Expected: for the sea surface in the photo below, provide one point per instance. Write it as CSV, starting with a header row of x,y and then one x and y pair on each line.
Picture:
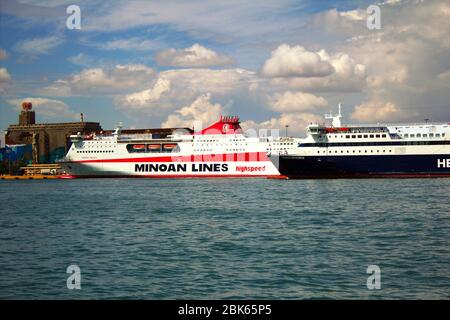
x,y
225,238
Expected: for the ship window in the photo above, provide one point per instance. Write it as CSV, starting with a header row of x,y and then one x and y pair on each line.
x,y
371,135
406,135
353,136
347,137
366,136
431,135
418,135
359,136
438,135
424,135
377,136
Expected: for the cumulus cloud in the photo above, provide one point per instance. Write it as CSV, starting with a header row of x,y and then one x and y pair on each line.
x,y
173,88
194,56
38,46
348,76
3,54
81,59
376,110
120,78
297,101
47,108
397,73
296,122
142,99
201,109
4,75
405,62
191,82
131,44
5,80
287,61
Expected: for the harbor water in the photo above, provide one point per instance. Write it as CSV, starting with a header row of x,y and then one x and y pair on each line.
x,y
225,238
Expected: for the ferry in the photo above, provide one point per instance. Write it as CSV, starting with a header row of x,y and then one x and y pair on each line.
x,y
366,151
220,150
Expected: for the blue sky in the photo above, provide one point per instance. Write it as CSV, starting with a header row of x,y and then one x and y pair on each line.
x,y
153,63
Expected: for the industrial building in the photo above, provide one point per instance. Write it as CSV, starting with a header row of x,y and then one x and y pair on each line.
x,y
44,142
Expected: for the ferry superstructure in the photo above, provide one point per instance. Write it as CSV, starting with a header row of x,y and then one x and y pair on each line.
x,y
342,151
221,150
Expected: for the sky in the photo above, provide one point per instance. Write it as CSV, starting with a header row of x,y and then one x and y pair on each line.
x,y
273,63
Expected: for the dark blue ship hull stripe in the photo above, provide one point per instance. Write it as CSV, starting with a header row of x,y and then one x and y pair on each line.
x,y
364,165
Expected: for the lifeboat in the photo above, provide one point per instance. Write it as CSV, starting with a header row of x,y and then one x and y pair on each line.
x,y
169,146
153,147
139,147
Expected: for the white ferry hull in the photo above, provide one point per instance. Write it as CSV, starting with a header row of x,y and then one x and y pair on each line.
x,y
170,170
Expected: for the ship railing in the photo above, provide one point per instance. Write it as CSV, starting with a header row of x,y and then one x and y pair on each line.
x,y
135,137
416,124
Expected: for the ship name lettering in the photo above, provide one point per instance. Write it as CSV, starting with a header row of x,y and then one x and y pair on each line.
x,y
156,167
443,163
209,167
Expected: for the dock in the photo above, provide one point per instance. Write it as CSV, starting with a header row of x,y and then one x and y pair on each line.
x,y
29,177
36,172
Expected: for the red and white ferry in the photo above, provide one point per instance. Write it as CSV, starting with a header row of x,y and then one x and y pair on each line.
x,y
220,150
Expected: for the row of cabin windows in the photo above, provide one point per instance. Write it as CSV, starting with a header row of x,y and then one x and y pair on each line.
x,y
354,151
87,146
216,140
425,135
210,150
220,145
359,136
95,151
365,136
